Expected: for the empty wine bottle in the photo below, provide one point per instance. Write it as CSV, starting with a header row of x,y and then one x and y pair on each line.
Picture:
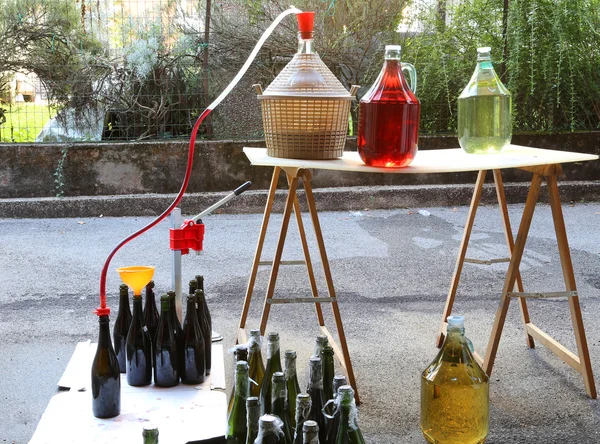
x,y
279,404
328,372
311,432
176,327
255,361
348,431
106,375
166,354
331,412
321,342
273,365
291,381
150,434
193,286
237,428
194,363
240,353
204,327
121,327
303,405
200,281
150,312
252,415
269,430
139,349
315,390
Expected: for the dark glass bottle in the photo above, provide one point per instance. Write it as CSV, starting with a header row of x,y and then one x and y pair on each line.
x,y
328,373
193,286
315,390
321,342
150,434
279,406
255,360
310,432
200,281
333,412
303,405
237,428
106,375
176,327
291,382
204,327
348,431
252,415
388,126
166,354
139,349
269,430
150,312
121,327
194,363
273,365
240,353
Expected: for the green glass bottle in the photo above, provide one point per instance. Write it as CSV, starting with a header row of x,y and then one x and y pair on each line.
x,y
106,375
348,431
240,353
194,363
320,343
291,381
139,349
237,429
269,430
121,327
328,373
150,434
454,392
150,312
279,405
310,430
273,365
257,366
252,415
200,281
315,390
484,110
205,327
303,405
166,354
333,413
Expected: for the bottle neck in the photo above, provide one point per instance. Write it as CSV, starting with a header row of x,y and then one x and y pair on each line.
x,y
242,387
273,349
316,375
253,414
305,45
104,335
137,307
290,366
485,64
123,301
191,309
278,389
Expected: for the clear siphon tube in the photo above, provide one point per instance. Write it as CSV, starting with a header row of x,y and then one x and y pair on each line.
x,y
103,309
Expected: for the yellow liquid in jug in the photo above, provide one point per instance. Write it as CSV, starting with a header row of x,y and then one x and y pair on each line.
x,y
454,408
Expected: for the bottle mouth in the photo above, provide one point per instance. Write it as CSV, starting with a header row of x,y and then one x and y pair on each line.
x,y
484,53
456,322
393,52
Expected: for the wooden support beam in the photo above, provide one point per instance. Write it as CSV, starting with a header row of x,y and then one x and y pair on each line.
x,y
556,347
301,300
550,294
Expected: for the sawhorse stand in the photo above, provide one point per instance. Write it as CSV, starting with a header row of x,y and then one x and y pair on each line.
x,y
581,360
294,176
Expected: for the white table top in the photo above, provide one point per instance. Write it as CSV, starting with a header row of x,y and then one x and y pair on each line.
x,y
430,161
183,413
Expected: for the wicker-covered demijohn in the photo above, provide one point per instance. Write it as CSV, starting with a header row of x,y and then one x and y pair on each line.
x,y
305,111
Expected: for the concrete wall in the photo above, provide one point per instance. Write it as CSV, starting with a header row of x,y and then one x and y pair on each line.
x,y
157,167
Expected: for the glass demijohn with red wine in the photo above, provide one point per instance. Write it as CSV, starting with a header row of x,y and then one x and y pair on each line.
x,y
388,128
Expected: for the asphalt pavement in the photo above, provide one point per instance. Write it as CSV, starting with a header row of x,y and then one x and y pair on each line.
x,y
391,270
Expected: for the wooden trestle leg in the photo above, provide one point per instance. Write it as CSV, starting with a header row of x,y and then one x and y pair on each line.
x,y
294,175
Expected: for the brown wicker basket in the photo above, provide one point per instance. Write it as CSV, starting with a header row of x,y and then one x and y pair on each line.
x,y
305,111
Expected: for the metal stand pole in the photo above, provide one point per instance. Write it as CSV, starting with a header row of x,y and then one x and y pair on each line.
x,y
176,266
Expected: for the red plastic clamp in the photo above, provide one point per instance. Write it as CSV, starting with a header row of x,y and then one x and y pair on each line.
x,y
189,236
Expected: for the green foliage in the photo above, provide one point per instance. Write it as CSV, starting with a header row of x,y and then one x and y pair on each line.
x,y
23,121
552,66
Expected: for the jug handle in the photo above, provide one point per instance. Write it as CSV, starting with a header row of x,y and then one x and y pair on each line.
x,y
412,73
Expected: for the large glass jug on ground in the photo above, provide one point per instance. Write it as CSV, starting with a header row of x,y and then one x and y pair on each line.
x,y
388,128
454,393
484,110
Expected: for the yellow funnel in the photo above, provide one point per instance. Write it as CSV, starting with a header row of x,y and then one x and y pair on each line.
x,y
136,277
